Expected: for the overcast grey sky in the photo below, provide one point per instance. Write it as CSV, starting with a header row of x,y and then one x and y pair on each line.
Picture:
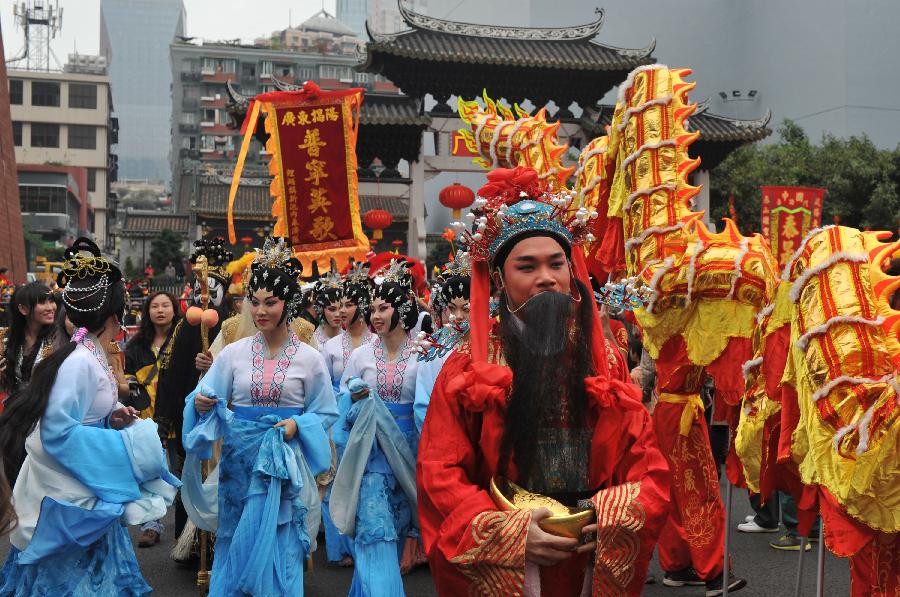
x,y
211,19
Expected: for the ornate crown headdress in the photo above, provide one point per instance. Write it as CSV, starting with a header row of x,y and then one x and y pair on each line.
x,y
331,281
515,202
460,266
356,284
276,265
78,266
397,272
274,253
358,274
217,256
624,294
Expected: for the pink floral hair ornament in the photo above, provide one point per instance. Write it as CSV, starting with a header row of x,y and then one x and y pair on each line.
x,y
79,335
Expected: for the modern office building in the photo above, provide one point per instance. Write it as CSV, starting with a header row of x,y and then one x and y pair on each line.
x,y
135,36
200,118
64,120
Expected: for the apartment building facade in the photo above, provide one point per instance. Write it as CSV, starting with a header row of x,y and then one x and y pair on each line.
x,y
200,117
64,119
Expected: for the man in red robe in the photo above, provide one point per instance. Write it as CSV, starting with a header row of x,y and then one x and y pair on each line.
x,y
532,398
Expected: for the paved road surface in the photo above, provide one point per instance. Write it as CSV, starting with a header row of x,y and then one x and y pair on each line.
x,y
769,573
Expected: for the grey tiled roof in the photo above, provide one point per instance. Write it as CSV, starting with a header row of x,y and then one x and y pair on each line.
x,y
712,127
391,109
569,48
140,224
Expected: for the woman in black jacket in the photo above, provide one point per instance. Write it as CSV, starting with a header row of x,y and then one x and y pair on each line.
x,y
158,317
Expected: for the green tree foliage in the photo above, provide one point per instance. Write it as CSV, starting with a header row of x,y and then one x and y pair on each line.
x,y
166,247
438,255
862,181
131,272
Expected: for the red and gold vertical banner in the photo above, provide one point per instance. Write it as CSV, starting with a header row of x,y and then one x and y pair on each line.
x,y
312,141
788,214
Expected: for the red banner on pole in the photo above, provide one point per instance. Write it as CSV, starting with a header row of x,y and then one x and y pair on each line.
x,y
313,161
312,141
788,214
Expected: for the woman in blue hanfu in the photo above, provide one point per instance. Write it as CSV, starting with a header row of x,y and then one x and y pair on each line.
x,y
373,496
269,396
354,305
92,465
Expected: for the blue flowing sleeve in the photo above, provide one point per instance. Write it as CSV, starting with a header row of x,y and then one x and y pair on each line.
x,y
95,456
426,375
198,433
319,394
319,414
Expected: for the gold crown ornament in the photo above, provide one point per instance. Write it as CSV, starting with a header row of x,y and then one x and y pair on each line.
x,y
564,522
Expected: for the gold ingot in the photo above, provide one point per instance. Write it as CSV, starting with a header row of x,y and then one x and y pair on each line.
x,y
565,521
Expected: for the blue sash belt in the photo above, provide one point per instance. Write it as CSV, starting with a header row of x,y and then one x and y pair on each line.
x,y
252,413
403,415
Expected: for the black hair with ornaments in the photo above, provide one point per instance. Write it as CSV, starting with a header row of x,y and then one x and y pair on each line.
x,y
396,288
276,269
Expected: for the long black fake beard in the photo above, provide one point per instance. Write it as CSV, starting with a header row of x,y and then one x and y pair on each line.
x,y
548,365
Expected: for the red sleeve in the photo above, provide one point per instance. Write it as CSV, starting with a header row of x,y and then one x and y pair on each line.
x,y
467,539
634,503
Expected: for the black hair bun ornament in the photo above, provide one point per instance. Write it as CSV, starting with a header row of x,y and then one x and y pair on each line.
x,y
78,266
214,250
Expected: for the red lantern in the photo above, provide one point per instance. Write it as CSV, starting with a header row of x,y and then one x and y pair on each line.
x,y
456,197
377,220
397,243
247,240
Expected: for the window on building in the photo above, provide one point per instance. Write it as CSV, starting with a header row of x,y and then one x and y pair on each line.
x,y
44,134
188,65
83,96
209,66
333,71
92,179
207,143
16,91
265,68
363,78
305,73
191,92
229,65
42,200
284,71
188,118
17,133
209,115
82,136
45,93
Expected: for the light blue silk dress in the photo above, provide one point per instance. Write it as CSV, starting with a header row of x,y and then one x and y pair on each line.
x,y
373,497
267,502
80,483
336,353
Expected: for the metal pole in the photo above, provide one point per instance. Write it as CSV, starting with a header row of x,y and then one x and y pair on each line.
x,y
820,568
799,586
725,571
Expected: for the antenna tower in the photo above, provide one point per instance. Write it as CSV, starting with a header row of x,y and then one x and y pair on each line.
x,y
41,20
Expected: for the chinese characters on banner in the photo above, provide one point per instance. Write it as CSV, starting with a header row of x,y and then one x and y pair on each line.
x,y
314,167
312,140
788,214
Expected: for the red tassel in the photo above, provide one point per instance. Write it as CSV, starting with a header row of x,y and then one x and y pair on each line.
x,y
479,319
